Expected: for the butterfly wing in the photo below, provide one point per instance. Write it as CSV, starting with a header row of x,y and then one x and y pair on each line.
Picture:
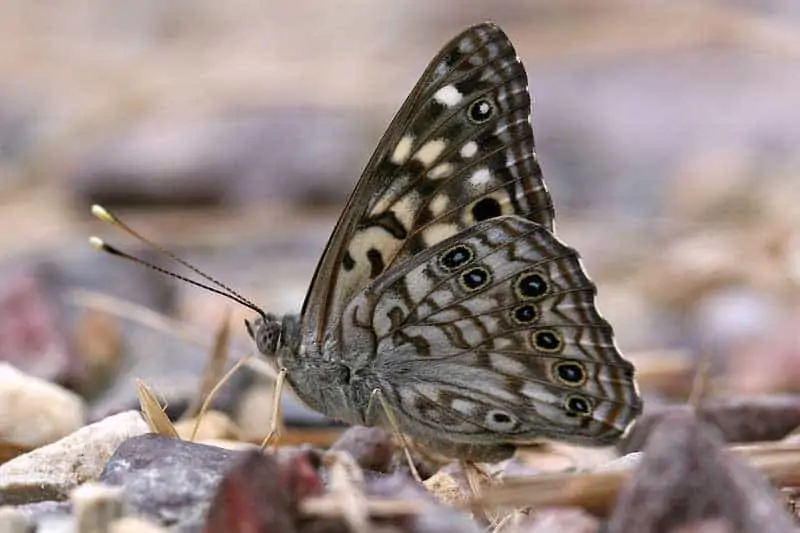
x,y
495,332
459,151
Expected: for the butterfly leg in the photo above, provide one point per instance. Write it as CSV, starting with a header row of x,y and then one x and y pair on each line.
x,y
276,419
377,394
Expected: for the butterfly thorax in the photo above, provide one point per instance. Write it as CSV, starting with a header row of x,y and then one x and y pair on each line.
x,y
317,373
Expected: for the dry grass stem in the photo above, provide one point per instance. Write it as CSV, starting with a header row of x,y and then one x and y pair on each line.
x,y
153,412
213,392
347,488
215,366
702,380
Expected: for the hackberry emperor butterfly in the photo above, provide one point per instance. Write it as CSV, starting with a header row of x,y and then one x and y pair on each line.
x,y
443,288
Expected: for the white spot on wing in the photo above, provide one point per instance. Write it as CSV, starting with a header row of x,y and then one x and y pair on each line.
x,y
469,149
502,342
438,233
402,150
439,204
506,365
405,209
448,95
429,151
462,406
480,177
538,394
442,170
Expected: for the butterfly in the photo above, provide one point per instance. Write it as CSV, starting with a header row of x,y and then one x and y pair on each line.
x,y
444,289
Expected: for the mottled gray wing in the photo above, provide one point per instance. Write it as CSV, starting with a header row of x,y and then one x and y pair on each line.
x,y
460,150
495,332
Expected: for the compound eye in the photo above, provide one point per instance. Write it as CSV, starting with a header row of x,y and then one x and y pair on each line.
x,y
267,335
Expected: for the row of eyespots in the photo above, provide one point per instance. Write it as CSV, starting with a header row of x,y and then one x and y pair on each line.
x,y
575,405
528,286
470,279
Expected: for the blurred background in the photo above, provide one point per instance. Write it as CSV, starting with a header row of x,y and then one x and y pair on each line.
x,y
233,132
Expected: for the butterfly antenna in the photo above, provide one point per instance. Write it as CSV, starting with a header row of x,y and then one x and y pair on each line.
x,y
219,288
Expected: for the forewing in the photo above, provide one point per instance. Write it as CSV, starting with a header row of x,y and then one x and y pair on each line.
x,y
459,151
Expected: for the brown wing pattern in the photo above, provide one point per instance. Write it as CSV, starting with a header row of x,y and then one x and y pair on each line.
x,y
459,151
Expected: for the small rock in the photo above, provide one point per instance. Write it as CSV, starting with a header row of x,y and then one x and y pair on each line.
x,y
96,506
432,516
707,526
168,480
770,362
53,471
253,412
213,425
31,334
626,462
372,448
555,520
12,521
133,524
259,493
685,478
753,419
448,488
560,457
37,512
34,412
46,322
740,420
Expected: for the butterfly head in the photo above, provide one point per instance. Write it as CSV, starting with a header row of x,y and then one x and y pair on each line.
x,y
266,331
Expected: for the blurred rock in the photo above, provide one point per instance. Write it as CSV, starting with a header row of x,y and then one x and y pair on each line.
x,y
282,154
34,412
168,480
45,325
32,333
770,361
450,486
131,524
12,521
372,448
559,457
558,521
260,494
53,471
40,513
685,479
739,420
254,412
20,135
432,517
97,506
212,425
